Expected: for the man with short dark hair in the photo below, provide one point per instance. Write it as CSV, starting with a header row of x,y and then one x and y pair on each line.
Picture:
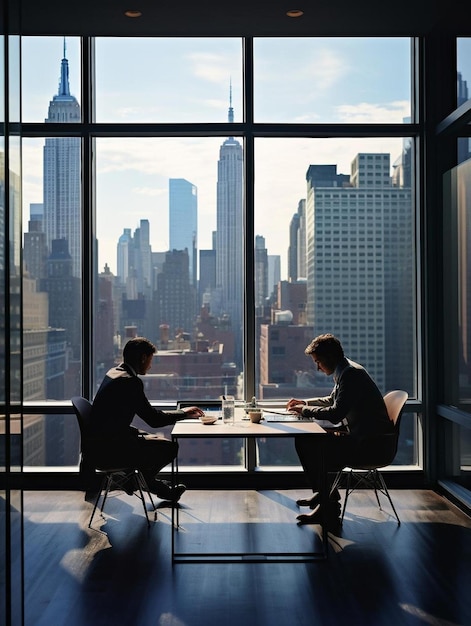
x,y
120,397
356,403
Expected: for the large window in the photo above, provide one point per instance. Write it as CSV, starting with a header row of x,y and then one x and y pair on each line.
x,y
227,245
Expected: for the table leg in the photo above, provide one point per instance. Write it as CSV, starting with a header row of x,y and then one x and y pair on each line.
x,y
175,507
324,498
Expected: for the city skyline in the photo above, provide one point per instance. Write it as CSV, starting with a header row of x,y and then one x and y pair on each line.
x,y
151,292
133,174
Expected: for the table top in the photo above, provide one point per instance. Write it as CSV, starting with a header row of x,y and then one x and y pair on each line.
x,y
245,428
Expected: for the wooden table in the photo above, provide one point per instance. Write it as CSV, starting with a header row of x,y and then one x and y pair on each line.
x,y
188,429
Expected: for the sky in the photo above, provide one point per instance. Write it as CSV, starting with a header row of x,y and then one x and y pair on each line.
x,y
181,80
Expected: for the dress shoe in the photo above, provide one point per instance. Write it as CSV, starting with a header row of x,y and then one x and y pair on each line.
x,y
311,502
332,519
310,518
165,491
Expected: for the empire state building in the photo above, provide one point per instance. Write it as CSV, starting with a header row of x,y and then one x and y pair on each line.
x,y
61,174
229,234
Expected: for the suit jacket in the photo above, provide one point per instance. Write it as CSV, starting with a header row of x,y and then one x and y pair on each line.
x,y
355,400
120,397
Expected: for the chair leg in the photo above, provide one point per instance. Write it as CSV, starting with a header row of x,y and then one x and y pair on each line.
x,y
137,479
348,491
109,483
335,484
372,479
385,491
336,481
102,486
144,488
118,480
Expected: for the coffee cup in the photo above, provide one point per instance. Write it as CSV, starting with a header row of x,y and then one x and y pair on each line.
x,y
255,415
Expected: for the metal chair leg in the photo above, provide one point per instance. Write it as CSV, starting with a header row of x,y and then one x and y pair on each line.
x,y
370,479
118,479
385,491
97,499
144,489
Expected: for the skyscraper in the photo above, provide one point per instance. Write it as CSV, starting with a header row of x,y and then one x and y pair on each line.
x,y
183,220
134,261
274,273
293,248
297,244
61,184
175,302
229,235
261,271
122,256
360,271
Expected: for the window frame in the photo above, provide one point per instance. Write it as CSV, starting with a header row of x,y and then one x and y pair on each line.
x,y
248,131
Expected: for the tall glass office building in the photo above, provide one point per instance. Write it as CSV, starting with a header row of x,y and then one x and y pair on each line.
x,y
183,221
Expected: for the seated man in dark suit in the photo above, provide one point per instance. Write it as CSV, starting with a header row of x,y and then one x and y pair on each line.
x,y
120,397
356,402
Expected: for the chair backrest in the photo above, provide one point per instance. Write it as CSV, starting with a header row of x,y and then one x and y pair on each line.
x,y
395,401
380,450
83,411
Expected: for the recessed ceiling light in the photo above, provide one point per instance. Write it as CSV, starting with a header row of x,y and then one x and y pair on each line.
x,y
132,13
294,13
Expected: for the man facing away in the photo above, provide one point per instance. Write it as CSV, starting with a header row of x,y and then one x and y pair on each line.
x,y
357,403
120,397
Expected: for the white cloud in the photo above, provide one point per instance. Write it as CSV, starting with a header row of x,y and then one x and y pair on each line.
x,y
368,113
209,66
325,70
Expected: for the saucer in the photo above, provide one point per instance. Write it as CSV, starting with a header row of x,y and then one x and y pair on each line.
x,y
207,421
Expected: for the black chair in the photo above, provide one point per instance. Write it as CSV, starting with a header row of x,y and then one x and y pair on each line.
x,y
379,452
128,479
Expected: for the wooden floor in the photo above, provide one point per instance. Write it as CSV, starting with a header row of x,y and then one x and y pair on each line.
x,y
376,574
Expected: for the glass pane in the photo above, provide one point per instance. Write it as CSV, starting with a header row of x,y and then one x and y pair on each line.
x,y
457,280
170,242
277,452
51,441
52,300
213,451
168,80
344,240
457,462
51,74
464,476
341,80
463,58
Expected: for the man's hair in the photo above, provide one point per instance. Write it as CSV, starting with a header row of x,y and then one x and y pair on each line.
x,y
326,347
136,348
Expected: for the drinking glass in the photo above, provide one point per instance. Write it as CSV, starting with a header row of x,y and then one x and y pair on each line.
x,y
228,409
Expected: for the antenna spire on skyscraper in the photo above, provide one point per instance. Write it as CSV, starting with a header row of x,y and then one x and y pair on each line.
x,y
231,110
64,89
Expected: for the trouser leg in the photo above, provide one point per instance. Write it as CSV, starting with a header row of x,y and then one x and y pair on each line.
x,y
308,452
155,454
337,451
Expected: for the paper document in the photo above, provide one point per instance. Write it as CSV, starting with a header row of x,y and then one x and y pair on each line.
x,y
283,415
